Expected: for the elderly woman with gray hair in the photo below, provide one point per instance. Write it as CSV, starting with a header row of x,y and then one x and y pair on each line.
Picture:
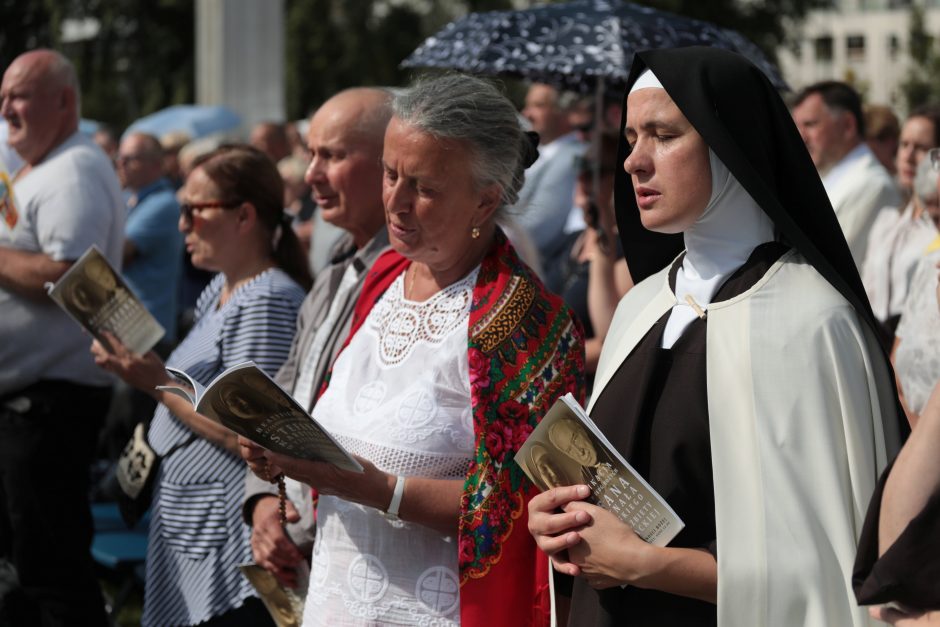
x,y
456,351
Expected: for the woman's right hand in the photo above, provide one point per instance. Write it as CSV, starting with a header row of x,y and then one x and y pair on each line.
x,y
144,372
554,530
257,462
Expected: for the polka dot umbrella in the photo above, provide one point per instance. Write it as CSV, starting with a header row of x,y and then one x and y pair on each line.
x,y
573,44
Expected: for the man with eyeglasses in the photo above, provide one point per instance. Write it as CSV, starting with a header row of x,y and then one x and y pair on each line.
x,y
153,246
153,264
52,396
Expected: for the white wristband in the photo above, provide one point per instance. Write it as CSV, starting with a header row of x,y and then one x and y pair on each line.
x,y
392,512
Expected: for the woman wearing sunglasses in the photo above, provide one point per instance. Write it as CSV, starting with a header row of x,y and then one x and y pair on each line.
x,y
234,224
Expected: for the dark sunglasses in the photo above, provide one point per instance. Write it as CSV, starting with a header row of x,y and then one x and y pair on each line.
x,y
187,208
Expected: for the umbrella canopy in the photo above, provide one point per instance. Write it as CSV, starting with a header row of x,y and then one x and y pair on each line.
x,y
194,120
573,44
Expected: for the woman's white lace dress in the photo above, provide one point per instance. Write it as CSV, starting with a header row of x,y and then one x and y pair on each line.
x,y
399,396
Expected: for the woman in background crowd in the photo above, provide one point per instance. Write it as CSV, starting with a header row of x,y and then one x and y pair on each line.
x,y
595,273
900,234
233,217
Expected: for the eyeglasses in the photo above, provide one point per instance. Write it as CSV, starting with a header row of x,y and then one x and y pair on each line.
x,y
187,208
934,155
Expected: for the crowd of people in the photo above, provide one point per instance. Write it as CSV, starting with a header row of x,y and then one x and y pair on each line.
x,y
742,290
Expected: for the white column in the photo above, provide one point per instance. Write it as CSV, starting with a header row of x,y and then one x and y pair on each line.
x,y
240,57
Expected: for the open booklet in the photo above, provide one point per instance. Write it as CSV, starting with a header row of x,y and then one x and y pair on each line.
x,y
249,402
567,448
95,295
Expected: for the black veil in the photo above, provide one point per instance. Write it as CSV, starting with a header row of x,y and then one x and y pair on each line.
x,y
741,117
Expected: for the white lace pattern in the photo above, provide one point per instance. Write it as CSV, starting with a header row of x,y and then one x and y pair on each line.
x,y
399,396
401,324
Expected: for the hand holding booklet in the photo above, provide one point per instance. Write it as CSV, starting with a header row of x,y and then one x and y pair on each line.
x,y
95,295
249,402
567,448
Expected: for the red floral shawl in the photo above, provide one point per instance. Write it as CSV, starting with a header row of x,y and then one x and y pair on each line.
x,y
525,350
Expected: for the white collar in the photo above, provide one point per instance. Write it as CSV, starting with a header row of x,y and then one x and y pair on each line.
x,y
719,242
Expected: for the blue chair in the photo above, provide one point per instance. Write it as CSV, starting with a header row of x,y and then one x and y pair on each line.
x,y
120,550
107,517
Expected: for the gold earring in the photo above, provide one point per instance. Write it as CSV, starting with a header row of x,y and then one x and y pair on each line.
x,y
475,232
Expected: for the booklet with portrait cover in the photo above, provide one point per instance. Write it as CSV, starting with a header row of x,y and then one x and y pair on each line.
x,y
286,605
567,448
95,295
249,402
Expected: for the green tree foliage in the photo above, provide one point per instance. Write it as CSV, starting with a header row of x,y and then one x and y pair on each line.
x,y
335,44
143,56
25,25
140,60
922,83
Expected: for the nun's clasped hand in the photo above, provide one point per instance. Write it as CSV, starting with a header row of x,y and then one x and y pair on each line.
x,y
610,553
587,541
556,531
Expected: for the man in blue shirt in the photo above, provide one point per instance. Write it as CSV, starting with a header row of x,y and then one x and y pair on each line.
x,y
152,262
153,246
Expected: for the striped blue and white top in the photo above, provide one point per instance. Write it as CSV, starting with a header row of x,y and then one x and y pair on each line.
x,y
197,537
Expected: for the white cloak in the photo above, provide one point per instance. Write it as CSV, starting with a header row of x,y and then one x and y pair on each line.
x,y
798,396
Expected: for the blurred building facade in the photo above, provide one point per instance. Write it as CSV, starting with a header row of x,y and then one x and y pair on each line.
x,y
863,42
240,47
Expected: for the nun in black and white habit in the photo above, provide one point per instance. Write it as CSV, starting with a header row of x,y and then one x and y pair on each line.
x,y
742,375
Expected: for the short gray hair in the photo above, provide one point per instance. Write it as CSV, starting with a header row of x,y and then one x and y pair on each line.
x,y
474,111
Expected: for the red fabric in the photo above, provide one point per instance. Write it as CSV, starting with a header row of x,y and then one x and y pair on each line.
x,y
525,351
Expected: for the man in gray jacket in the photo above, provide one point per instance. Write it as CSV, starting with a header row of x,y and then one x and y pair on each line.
x,y
345,140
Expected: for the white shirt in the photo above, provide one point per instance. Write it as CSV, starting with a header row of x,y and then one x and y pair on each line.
x,y
64,204
836,173
546,198
858,186
896,243
917,358
399,396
